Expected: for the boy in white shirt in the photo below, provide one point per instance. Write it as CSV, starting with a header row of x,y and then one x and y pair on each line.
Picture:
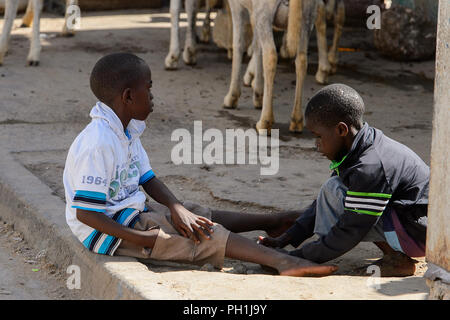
x,y
107,211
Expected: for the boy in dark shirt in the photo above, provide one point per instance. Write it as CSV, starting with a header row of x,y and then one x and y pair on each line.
x,y
378,190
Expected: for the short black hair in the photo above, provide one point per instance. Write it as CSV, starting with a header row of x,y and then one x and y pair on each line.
x,y
336,103
115,72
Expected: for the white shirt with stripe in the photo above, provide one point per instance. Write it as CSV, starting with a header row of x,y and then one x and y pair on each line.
x,y
104,167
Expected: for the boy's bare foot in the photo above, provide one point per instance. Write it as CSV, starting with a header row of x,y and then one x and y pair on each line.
x,y
296,267
284,221
396,264
270,269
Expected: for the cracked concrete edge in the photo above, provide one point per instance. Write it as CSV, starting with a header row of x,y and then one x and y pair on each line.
x,y
30,206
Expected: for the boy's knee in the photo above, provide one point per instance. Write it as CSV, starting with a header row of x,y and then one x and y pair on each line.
x,y
175,247
334,187
334,183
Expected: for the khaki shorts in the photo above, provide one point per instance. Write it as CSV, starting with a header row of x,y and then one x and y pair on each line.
x,y
170,245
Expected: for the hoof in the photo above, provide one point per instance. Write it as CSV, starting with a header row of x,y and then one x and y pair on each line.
x,y
229,107
33,63
189,57
230,101
283,53
333,63
171,67
68,34
257,100
24,25
205,39
333,68
205,36
264,127
171,62
322,77
248,78
296,126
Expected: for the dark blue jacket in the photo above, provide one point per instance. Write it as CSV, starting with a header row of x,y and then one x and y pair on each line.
x,y
380,174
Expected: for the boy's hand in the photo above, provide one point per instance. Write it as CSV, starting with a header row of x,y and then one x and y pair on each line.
x,y
187,224
190,225
279,242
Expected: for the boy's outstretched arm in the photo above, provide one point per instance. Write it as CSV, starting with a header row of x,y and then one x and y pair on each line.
x,y
301,230
99,221
185,222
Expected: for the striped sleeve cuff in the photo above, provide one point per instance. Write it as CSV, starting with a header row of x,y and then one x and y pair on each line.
x,y
146,177
89,200
366,203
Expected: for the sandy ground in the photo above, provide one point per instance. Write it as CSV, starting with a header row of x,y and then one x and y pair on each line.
x,y
26,274
43,109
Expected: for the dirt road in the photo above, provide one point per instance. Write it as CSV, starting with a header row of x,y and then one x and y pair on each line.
x,y
25,274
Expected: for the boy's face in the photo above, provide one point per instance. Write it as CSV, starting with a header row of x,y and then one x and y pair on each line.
x,y
142,104
330,141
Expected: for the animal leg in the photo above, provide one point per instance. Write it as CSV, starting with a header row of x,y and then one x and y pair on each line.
x,y
250,72
283,49
206,29
230,29
339,21
264,33
68,30
301,64
28,16
171,61
321,31
35,46
258,81
189,56
237,14
10,15
329,8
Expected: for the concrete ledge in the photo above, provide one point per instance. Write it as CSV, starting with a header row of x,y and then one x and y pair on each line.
x,y
30,206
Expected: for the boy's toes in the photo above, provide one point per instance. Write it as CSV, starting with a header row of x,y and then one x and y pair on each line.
x,y
269,270
310,271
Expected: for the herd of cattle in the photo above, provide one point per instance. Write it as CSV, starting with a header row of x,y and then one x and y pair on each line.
x,y
297,17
